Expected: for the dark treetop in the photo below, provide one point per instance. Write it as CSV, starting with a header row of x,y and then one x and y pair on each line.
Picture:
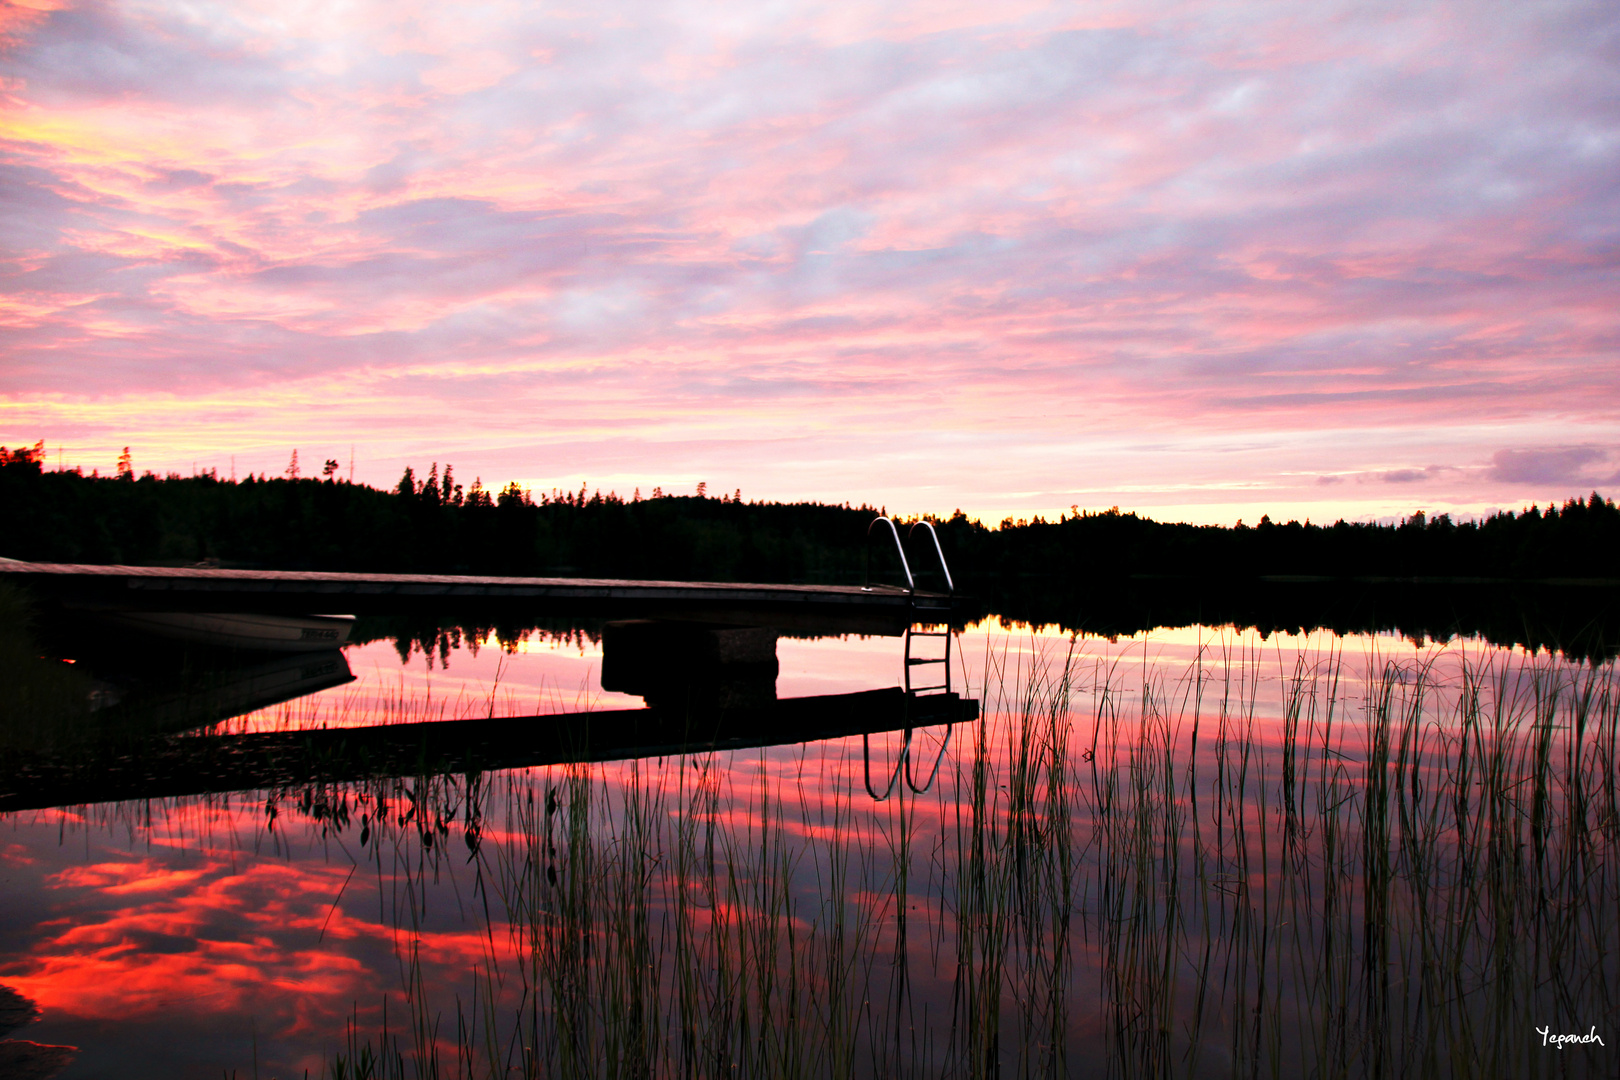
x,y
1108,572
438,525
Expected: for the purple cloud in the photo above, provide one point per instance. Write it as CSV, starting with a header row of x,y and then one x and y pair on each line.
x,y
1555,465
1019,234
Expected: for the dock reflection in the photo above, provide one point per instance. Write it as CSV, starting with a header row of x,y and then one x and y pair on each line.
x,y
170,767
154,727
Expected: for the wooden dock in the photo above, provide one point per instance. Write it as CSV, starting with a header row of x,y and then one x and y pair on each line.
x,y
177,766
877,609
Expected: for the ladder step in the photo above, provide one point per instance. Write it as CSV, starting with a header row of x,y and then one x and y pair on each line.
x,y
912,660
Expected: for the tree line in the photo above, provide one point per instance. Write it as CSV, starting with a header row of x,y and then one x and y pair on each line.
x,y
434,523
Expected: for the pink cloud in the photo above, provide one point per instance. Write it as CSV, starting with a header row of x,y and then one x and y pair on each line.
x,y
1575,466
1018,237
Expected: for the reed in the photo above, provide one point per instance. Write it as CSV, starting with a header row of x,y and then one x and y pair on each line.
x,y
1353,867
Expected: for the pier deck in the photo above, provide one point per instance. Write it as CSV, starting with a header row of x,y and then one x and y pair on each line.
x,y
878,609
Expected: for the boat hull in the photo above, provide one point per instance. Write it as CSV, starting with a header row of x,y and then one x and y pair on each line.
x,y
268,633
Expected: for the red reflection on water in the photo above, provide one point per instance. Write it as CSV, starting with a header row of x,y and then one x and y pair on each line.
x,y
214,935
123,877
16,855
198,905
541,676
222,940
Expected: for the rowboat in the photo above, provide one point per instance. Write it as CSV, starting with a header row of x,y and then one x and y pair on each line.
x,y
270,633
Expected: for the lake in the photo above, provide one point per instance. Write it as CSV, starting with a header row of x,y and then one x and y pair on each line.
x,y
1181,852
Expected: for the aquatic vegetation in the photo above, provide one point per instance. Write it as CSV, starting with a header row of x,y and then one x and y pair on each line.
x,y
1272,866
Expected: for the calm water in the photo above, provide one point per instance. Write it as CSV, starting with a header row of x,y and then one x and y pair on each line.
x,y
1191,852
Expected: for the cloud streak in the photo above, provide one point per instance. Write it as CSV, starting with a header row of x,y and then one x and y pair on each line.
x,y
1565,465
1017,236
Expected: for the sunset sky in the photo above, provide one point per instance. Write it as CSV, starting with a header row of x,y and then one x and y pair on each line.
x,y
1202,261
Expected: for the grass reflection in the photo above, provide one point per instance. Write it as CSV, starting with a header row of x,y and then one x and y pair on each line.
x,y
1390,869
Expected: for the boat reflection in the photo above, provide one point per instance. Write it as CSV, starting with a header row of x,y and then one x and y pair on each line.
x,y
190,694
86,682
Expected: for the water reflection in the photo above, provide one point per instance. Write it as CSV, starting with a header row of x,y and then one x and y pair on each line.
x,y
24,1059
1195,853
66,694
1579,621
217,764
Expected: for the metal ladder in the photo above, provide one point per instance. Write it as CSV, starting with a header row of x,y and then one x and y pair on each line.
x,y
905,564
903,764
912,633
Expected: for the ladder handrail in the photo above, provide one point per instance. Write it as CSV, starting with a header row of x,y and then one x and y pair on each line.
x,y
911,583
950,586
902,765
938,759
899,762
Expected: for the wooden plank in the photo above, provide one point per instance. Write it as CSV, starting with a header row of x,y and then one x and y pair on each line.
x,y
209,588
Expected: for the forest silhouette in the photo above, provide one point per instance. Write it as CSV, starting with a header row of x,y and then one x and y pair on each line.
x,y
435,524
1540,578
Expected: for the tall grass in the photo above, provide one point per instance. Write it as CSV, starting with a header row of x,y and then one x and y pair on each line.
x,y
1352,868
